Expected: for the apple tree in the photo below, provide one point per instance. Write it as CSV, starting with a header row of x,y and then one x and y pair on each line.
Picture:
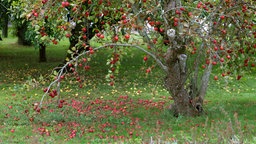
x,y
187,39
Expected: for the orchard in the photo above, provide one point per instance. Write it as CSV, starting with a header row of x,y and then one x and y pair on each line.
x,y
186,39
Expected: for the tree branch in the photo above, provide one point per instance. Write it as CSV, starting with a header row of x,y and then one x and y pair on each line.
x,y
61,71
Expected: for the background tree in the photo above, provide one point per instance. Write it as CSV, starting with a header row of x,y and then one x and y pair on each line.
x,y
187,39
4,5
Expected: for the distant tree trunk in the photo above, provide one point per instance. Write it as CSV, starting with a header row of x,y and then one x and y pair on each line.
x,y
42,53
5,20
21,31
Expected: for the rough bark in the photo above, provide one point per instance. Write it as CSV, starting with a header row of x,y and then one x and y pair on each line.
x,y
42,53
184,103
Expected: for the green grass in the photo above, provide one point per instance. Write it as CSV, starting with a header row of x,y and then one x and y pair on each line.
x,y
99,113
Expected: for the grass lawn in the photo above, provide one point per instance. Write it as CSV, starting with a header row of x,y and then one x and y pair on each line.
x,y
133,111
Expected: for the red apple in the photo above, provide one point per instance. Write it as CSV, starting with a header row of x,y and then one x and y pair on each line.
x,y
239,77
84,29
127,36
145,58
115,38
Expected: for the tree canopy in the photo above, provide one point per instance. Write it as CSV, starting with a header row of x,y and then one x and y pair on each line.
x,y
187,39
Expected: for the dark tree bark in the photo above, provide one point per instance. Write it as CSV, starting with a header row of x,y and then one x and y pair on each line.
x,y
21,31
5,20
42,53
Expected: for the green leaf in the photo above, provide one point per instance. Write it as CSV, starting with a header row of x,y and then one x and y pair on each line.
x,y
69,51
73,48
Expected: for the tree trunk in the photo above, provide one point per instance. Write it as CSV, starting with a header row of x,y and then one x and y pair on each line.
x,y
184,103
21,31
5,25
42,53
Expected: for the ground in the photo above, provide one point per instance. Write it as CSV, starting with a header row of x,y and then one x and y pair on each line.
x,y
135,110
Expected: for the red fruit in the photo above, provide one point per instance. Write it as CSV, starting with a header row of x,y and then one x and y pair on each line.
x,y
87,67
84,59
130,133
223,31
60,105
51,94
84,37
91,51
38,110
68,35
182,8
222,17
158,22
228,56
148,70
221,59
44,1
65,4
102,36
190,14
12,130
161,30
198,5
115,38
223,74
175,24
124,21
221,48
252,65
123,17
177,12
10,107
84,29
87,14
127,36
156,28
45,89
62,76
215,48
239,77
111,83
214,41
35,14
176,19
145,58
74,9
203,66
215,77
207,62
214,63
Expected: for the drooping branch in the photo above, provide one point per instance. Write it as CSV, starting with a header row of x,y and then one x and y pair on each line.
x,y
75,59
158,61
